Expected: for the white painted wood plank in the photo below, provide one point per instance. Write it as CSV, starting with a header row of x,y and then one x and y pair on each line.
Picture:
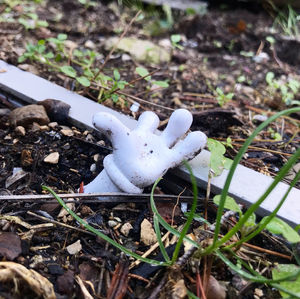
x,y
32,88
246,187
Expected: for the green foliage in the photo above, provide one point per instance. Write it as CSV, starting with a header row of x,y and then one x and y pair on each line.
x,y
143,72
288,90
230,204
288,20
217,160
31,21
28,18
284,271
88,3
175,39
275,135
279,227
222,97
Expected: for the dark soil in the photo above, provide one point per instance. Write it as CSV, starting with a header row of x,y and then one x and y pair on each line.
x,y
215,55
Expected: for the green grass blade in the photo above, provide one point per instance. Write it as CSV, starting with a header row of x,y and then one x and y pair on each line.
x,y
166,225
254,207
261,226
256,277
159,240
101,235
191,214
234,165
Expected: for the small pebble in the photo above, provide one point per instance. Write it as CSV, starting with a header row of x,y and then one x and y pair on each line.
x,y
53,124
96,157
89,138
20,130
90,44
35,127
112,223
125,229
259,118
67,132
44,128
74,248
7,137
52,158
93,167
26,115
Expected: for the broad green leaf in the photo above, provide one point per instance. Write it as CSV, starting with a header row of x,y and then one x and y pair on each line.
x,y
270,39
49,55
58,57
143,72
279,227
175,38
22,59
227,163
78,53
216,163
161,83
88,73
68,70
115,98
230,204
217,159
251,221
41,42
269,77
215,146
285,270
42,23
117,75
84,81
32,15
62,36
121,84
41,48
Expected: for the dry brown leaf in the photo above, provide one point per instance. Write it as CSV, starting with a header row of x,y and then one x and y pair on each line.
x,y
18,274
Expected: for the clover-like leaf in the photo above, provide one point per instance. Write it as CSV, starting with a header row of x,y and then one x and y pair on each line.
x,y
69,71
280,227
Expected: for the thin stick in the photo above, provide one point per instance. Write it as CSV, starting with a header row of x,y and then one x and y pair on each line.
x,y
134,98
133,197
262,149
149,251
60,223
271,252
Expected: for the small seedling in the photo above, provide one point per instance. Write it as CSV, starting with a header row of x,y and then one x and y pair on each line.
x,y
222,97
175,39
288,90
143,72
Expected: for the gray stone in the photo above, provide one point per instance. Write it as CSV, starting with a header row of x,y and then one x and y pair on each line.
x,y
141,50
25,116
